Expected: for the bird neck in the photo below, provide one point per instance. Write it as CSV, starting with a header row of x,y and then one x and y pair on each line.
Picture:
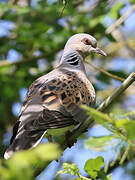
x,y
73,60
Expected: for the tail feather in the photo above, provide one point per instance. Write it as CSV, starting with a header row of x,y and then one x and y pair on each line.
x,y
24,141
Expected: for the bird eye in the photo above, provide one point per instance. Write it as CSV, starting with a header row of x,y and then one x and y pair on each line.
x,y
86,41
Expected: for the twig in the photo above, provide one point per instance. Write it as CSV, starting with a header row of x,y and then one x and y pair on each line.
x,y
120,20
113,165
124,157
11,2
29,3
117,92
5,63
105,72
64,3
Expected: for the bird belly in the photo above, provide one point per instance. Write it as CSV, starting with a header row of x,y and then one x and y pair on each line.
x,y
59,131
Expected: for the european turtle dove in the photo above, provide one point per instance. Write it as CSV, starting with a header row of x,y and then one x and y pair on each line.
x,y
53,100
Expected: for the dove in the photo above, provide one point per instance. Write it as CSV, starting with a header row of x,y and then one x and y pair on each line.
x,y
52,104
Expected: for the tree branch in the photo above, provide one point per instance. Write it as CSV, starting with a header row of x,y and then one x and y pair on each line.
x,y
5,63
103,106
105,72
64,5
120,20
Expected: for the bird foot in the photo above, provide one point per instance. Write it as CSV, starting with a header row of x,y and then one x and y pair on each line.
x,y
69,143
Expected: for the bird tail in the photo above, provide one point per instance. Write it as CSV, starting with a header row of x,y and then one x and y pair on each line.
x,y
24,140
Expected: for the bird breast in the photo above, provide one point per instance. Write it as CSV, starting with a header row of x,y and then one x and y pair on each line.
x,y
68,87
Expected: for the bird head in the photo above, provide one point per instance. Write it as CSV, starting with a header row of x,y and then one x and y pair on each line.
x,y
84,44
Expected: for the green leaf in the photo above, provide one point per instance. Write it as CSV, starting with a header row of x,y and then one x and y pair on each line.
x,y
69,169
129,113
99,143
121,122
72,169
98,116
132,1
22,164
3,7
93,166
130,129
102,175
109,177
19,9
114,13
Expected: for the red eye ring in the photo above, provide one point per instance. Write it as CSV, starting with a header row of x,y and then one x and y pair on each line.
x,y
86,41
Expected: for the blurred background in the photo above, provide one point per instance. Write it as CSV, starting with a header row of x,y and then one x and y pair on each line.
x,y
32,36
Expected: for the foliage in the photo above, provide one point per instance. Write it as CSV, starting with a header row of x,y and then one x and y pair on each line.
x,y
23,165
92,167
99,143
122,129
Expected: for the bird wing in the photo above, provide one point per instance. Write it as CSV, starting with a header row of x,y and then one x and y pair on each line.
x,y
47,104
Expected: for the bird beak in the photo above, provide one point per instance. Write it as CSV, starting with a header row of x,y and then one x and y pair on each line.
x,y
99,51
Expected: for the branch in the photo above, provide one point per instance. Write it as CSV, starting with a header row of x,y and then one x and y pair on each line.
x,y
113,165
120,20
11,2
64,5
103,106
105,72
5,63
